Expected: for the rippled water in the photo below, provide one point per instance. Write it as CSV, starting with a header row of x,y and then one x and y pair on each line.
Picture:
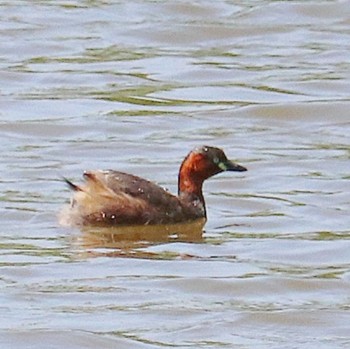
x,y
134,86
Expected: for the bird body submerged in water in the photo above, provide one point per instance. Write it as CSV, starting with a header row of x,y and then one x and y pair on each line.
x,y
112,198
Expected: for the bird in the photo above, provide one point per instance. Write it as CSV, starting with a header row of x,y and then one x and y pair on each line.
x,y
114,198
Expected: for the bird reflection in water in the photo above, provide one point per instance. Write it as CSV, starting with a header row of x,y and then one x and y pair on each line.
x,y
131,241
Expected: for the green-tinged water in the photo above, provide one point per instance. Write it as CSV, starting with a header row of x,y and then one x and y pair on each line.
x,y
133,86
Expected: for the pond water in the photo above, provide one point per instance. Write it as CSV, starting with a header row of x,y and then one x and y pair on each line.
x,y
134,86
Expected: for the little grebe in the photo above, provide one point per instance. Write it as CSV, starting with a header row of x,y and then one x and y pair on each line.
x,y
111,198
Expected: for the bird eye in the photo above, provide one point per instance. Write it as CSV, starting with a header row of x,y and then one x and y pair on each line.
x,y
216,160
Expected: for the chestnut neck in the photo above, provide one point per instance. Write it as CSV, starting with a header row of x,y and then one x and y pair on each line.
x,y
190,185
191,177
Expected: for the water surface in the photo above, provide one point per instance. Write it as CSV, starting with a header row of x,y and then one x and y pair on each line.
x,y
134,86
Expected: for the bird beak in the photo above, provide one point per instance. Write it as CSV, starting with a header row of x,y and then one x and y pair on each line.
x,y
231,166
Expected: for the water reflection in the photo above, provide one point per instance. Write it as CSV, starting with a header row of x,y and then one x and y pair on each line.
x,y
126,238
